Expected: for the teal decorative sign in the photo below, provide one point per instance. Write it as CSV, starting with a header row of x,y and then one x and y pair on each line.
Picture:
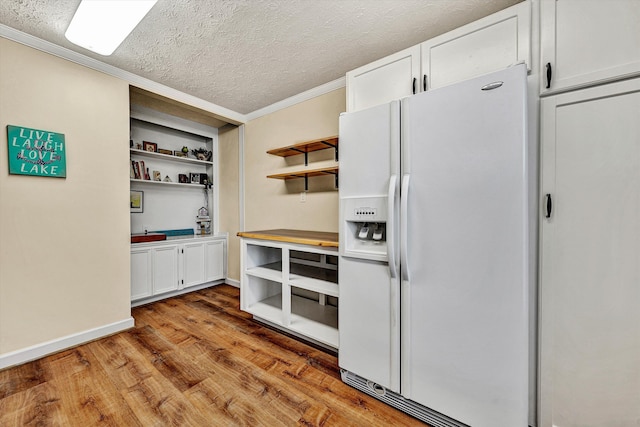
x,y
36,152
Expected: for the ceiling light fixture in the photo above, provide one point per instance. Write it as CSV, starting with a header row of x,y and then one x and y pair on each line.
x,y
101,25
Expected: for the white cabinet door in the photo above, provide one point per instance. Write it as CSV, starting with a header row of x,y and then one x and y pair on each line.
x,y
484,46
384,80
489,44
194,264
165,269
588,41
590,253
214,260
141,273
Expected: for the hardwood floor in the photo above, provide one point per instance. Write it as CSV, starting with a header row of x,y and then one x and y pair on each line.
x,y
193,360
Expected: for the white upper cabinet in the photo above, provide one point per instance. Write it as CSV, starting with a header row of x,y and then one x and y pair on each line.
x,y
384,80
489,44
587,42
484,46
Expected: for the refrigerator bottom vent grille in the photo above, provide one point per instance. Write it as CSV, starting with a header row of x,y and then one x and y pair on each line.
x,y
429,416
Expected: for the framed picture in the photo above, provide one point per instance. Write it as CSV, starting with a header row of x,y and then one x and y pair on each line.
x,y
195,178
149,146
163,151
183,178
137,201
157,176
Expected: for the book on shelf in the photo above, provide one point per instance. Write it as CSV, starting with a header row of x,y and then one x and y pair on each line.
x,y
136,170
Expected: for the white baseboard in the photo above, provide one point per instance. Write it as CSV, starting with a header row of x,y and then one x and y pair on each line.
x,y
176,293
232,282
40,350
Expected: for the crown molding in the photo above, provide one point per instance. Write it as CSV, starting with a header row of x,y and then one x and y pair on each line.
x,y
133,79
225,114
301,97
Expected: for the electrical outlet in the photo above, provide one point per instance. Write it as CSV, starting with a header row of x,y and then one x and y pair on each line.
x,y
303,197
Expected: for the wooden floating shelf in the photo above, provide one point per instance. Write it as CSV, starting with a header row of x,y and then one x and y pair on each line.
x,y
306,147
333,170
306,174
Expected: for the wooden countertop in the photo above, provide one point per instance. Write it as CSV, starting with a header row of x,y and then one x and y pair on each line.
x,y
305,237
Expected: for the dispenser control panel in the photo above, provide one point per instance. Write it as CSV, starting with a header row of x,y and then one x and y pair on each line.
x,y
365,212
365,209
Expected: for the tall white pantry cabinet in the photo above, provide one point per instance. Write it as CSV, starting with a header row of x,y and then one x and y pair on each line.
x,y
589,325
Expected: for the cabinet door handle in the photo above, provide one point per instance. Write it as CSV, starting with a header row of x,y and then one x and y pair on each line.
x,y
414,85
424,83
549,206
548,75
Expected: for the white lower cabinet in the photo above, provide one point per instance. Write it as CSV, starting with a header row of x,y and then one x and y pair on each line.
x,y
293,287
590,257
193,258
141,273
168,268
165,269
214,260
203,262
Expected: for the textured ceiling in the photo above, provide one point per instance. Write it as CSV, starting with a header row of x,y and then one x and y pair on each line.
x,y
247,54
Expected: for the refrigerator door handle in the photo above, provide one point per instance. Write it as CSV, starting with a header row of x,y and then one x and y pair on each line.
x,y
404,235
391,252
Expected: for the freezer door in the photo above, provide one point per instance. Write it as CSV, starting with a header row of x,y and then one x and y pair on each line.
x,y
465,253
369,299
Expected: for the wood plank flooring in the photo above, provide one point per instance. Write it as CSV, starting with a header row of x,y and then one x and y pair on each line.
x,y
193,360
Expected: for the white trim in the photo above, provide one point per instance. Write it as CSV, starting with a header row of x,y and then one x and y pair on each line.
x,y
177,292
225,114
301,97
40,350
141,82
241,177
232,282
214,208
145,114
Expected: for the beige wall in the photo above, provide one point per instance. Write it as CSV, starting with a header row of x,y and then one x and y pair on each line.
x,y
64,243
272,203
228,193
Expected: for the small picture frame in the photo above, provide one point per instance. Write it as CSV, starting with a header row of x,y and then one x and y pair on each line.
x,y
163,151
157,176
149,146
179,153
195,178
183,178
137,201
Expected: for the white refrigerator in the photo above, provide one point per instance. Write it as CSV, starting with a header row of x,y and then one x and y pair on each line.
x,y
435,252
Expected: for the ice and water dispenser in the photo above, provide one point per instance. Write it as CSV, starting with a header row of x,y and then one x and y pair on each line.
x,y
365,227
